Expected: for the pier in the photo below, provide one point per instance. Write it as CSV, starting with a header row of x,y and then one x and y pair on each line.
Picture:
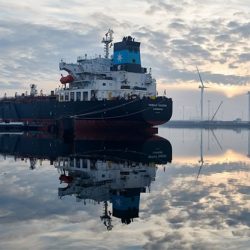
x,y
236,124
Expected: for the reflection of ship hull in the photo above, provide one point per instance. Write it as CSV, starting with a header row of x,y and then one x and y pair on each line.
x,y
122,113
44,146
32,146
106,167
152,149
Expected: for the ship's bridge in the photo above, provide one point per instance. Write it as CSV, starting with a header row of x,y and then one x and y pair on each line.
x,y
86,66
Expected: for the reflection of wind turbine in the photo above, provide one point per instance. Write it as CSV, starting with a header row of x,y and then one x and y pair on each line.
x,y
248,151
201,161
216,139
202,87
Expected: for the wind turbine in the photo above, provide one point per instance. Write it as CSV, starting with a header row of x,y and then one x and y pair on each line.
x,y
202,87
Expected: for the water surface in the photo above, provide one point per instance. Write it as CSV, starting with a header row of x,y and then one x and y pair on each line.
x,y
201,200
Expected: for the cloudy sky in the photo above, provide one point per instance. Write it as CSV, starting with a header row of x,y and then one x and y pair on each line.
x,y
176,37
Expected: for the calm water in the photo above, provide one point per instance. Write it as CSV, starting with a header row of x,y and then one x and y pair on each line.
x,y
115,193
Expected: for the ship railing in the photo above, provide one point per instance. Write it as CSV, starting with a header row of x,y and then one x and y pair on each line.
x,y
29,96
81,58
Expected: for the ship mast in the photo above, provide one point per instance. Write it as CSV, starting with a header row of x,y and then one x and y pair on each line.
x,y
106,217
107,40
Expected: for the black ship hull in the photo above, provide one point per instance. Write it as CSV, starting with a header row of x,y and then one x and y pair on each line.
x,y
47,110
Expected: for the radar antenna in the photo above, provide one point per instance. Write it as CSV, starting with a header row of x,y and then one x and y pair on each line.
x,y
33,90
107,40
32,163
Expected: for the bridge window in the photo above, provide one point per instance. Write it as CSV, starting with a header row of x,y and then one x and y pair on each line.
x,y
84,163
61,97
85,95
78,96
104,84
78,163
72,95
66,96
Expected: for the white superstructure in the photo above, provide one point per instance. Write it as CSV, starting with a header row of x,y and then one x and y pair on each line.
x,y
90,174
107,78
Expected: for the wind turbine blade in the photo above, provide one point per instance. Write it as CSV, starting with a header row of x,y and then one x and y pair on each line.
x,y
200,76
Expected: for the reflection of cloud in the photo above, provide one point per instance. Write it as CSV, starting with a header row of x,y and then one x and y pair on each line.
x,y
228,157
200,214
40,234
180,212
198,210
24,196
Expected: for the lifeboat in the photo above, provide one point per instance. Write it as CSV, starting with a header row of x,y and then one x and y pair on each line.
x,y
65,178
66,79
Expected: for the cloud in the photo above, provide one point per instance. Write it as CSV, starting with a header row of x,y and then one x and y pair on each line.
x,y
165,6
242,29
174,36
11,85
177,26
244,57
31,53
185,48
31,47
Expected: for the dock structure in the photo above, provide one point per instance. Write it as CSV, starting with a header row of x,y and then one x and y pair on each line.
x,y
18,126
209,124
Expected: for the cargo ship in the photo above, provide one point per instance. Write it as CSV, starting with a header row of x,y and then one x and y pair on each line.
x,y
104,91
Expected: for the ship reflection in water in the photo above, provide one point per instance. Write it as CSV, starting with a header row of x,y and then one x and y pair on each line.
x,y
110,170
124,191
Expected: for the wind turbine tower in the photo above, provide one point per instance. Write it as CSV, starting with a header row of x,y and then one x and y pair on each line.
x,y
202,87
248,121
248,106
